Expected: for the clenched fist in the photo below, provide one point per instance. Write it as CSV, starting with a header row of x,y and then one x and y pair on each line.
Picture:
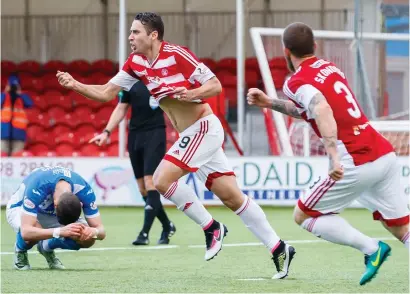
x,y
65,80
259,98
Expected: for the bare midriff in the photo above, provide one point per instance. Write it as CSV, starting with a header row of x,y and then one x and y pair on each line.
x,y
184,114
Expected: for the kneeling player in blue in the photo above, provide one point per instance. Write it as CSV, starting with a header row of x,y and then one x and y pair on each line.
x,y
46,209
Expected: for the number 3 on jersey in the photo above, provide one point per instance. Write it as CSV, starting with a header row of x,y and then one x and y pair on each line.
x,y
341,88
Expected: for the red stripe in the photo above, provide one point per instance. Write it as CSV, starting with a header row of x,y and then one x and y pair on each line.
x,y
323,193
246,206
179,163
197,135
313,195
171,190
405,238
312,224
199,142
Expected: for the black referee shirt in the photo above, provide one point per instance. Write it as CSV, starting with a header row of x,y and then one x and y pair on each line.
x,y
145,111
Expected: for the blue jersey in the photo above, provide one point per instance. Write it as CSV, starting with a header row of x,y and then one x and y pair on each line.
x,y
36,192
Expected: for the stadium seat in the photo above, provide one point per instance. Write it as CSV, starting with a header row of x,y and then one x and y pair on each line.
x,y
30,66
278,62
56,98
100,78
8,67
22,153
228,80
4,81
103,65
4,154
112,149
59,129
67,138
279,77
84,133
64,149
227,64
79,66
252,78
42,137
83,112
42,119
50,82
35,84
53,66
251,63
90,150
54,112
40,102
68,119
39,147
49,153
68,153
32,113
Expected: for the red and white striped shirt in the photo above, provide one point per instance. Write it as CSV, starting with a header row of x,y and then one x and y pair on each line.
x,y
175,66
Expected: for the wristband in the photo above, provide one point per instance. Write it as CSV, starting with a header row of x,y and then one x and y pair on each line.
x,y
56,233
107,131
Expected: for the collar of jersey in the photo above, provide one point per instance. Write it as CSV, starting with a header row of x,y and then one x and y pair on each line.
x,y
308,61
161,48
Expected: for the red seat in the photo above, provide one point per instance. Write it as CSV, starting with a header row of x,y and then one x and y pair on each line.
x,y
103,65
79,66
83,112
39,147
105,112
63,149
56,98
42,119
228,80
8,67
4,82
100,78
51,83
85,132
59,129
40,102
90,150
54,112
67,153
49,153
278,62
279,77
22,153
35,84
4,154
68,119
228,64
30,66
231,96
252,78
68,138
113,149
32,113
251,63
53,66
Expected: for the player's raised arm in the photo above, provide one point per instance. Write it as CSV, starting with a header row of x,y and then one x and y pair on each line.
x,y
259,98
101,93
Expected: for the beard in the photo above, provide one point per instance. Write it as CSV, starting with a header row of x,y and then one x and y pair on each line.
x,y
290,64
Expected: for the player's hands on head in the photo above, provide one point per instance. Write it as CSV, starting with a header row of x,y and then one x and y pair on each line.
x,y
258,98
65,80
336,170
100,139
73,230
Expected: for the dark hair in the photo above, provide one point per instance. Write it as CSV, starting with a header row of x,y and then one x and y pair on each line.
x,y
298,38
68,208
152,22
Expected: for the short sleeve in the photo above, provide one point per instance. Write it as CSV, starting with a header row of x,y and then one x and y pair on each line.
x,y
126,77
87,198
190,66
32,199
304,94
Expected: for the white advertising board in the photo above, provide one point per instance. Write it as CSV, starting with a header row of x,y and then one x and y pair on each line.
x,y
269,180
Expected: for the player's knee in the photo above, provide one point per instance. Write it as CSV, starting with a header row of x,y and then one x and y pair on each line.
x,y
299,216
149,183
160,183
86,244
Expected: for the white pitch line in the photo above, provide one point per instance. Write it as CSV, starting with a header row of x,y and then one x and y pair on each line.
x,y
162,247
252,279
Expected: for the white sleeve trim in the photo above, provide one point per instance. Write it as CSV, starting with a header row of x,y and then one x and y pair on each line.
x,y
29,213
304,95
92,216
124,80
201,74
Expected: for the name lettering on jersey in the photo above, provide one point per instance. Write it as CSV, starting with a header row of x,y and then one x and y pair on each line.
x,y
90,191
155,80
356,129
327,71
319,63
36,192
29,204
140,73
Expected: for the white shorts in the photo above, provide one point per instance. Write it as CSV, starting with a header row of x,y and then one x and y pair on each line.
x,y
46,221
199,149
375,185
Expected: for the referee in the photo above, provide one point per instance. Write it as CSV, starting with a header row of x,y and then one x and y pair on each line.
x,y
146,147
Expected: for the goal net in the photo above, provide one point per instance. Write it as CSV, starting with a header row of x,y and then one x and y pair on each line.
x,y
368,82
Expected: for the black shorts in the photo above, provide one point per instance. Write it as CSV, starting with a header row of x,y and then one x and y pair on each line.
x,y
146,149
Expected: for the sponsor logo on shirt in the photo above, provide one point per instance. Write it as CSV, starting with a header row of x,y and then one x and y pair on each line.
x,y
93,205
29,204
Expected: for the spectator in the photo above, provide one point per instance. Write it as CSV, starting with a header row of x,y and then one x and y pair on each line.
x,y
13,116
